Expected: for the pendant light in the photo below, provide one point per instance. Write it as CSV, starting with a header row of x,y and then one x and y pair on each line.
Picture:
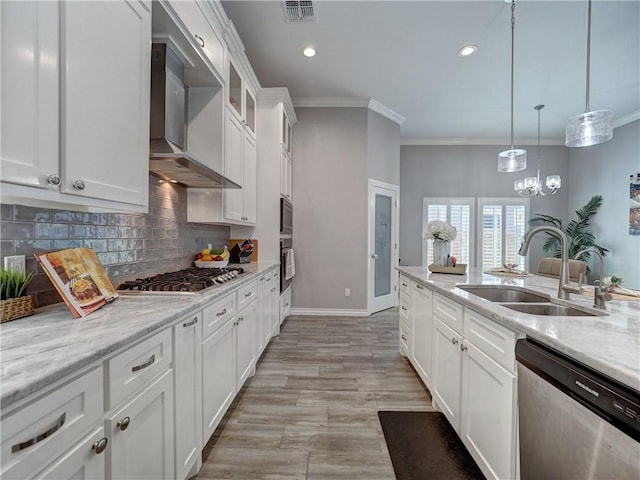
x,y
514,159
589,128
531,186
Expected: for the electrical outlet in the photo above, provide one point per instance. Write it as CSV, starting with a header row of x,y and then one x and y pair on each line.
x,y
347,292
15,263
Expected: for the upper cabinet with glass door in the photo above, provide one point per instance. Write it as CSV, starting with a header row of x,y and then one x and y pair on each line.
x,y
241,99
235,90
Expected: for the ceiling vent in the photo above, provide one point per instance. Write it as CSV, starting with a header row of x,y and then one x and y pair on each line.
x,y
299,11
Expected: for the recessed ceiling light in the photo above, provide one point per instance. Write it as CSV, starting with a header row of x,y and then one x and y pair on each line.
x,y
173,181
467,50
309,52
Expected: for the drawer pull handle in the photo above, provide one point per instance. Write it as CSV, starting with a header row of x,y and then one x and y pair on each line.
x,y
246,295
419,287
123,424
146,364
192,322
100,446
463,347
454,340
269,279
200,40
38,438
404,284
404,338
273,289
219,314
404,308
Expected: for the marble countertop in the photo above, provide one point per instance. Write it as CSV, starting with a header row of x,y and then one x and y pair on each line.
x,y
37,351
609,344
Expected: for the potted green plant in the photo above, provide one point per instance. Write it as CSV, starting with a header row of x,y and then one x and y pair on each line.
x,y
578,231
13,301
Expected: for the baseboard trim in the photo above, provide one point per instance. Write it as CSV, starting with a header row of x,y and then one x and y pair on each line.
x,y
330,312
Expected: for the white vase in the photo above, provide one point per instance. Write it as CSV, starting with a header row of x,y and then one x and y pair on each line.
x,y
441,251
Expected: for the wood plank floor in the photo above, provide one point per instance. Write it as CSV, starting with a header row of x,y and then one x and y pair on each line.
x,y
310,412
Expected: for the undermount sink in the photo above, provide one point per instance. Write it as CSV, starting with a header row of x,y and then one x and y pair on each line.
x,y
553,309
504,293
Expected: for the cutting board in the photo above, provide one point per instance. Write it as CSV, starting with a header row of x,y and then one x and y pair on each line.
x,y
254,255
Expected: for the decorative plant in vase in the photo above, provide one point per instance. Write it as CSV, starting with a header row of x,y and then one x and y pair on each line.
x,y
13,301
578,231
442,233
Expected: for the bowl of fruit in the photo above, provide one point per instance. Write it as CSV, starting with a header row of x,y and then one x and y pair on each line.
x,y
214,258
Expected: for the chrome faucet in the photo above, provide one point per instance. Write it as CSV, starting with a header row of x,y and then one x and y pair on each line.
x,y
600,294
564,286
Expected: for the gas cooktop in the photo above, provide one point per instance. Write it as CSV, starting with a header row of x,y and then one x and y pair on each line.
x,y
189,281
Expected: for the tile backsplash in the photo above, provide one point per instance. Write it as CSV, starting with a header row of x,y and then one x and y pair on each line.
x,y
128,245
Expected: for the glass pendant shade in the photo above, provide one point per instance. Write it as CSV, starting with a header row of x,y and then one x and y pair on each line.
x,y
518,184
590,128
553,181
513,160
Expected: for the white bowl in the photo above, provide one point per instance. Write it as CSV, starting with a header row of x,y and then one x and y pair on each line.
x,y
211,264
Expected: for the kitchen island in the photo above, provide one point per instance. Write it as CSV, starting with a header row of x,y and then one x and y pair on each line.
x,y
609,344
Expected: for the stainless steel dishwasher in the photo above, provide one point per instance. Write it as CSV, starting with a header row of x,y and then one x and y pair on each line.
x,y
574,422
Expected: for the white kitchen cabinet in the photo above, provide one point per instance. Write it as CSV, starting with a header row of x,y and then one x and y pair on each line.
x,y
34,436
421,317
246,326
488,415
233,138
275,304
187,367
101,114
285,304
141,434
474,384
286,172
85,461
406,340
446,386
218,374
265,296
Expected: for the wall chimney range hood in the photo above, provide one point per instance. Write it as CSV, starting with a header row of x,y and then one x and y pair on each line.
x,y
168,159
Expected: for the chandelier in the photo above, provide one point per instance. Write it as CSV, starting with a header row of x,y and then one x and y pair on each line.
x,y
532,186
514,159
591,127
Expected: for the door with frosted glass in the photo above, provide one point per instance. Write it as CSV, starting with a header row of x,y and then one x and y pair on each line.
x,y
383,246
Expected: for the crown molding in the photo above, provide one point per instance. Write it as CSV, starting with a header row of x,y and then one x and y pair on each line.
x,y
217,16
349,102
498,142
280,94
631,117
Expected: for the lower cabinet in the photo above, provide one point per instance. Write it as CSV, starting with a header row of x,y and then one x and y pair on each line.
x,y
475,392
187,374
85,461
141,434
421,317
285,304
246,351
265,322
218,376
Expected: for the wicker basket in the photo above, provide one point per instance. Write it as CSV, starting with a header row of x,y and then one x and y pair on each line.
x,y
16,308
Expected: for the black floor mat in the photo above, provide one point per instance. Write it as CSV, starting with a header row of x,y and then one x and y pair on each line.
x,y
423,446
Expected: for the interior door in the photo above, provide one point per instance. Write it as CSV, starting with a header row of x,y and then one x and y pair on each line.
x,y
383,246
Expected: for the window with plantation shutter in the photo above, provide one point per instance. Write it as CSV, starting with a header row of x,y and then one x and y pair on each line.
x,y
459,213
501,229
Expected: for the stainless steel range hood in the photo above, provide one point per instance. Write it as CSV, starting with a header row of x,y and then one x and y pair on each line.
x,y
168,159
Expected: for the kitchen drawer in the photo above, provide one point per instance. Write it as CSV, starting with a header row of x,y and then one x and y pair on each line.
x,y
448,311
419,289
217,314
132,369
405,304
269,280
405,285
247,294
493,339
35,435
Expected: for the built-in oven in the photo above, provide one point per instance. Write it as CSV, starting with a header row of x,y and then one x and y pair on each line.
x,y
286,216
287,263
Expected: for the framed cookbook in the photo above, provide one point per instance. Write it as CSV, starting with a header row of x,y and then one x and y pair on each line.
x,y
79,278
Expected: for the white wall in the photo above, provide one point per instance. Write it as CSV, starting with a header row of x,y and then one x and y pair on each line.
x,y
383,148
604,169
330,208
469,171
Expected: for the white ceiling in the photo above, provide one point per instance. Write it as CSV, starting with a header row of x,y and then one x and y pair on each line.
x,y
403,54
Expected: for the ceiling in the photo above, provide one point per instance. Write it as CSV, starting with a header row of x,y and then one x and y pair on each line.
x,y
403,54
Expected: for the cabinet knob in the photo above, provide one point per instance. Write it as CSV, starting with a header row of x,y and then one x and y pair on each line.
x,y
463,347
78,185
454,340
404,338
124,423
200,40
100,446
53,179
